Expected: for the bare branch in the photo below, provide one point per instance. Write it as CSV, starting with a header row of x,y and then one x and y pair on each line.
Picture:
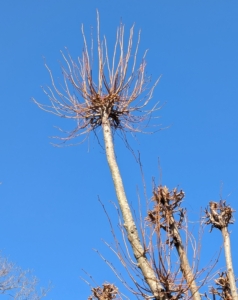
x,y
118,92
17,283
220,215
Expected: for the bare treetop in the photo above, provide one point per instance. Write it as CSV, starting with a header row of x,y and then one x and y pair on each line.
x,y
120,93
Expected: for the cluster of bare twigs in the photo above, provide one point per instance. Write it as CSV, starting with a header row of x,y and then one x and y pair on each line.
x,y
88,101
107,292
220,215
18,284
115,101
223,290
166,205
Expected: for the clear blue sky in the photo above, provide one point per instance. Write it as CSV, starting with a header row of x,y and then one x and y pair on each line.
x,y
50,215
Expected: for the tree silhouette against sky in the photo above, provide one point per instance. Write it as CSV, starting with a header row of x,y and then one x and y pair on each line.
x,y
118,100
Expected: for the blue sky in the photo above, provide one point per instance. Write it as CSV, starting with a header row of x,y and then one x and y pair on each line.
x,y
50,216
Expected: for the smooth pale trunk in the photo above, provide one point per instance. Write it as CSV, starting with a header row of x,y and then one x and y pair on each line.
x,y
129,223
229,265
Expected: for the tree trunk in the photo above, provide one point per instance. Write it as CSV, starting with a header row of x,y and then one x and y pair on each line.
x,y
229,266
129,223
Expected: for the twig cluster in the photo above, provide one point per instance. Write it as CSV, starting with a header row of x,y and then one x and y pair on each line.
x,y
219,215
113,94
166,205
223,290
17,283
107,292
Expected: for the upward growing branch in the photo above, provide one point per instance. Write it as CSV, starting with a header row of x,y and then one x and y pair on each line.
x,y
167,203
130,226
220,216
117,100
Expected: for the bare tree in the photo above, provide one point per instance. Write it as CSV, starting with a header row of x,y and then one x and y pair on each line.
x,y
108,104
18,284
107,292
220,215
119,101
165,233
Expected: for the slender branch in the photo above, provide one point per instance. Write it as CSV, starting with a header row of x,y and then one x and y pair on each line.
x,y
220,215
166,204
184,263
229,265
117,100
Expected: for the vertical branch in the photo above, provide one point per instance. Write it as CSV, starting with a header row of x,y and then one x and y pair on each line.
x,y
129,223
114,74
100,57
135,55
163,217
184,263
220,216
229,265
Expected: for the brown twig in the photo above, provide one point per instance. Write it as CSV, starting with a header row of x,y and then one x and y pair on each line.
x,y
107,292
